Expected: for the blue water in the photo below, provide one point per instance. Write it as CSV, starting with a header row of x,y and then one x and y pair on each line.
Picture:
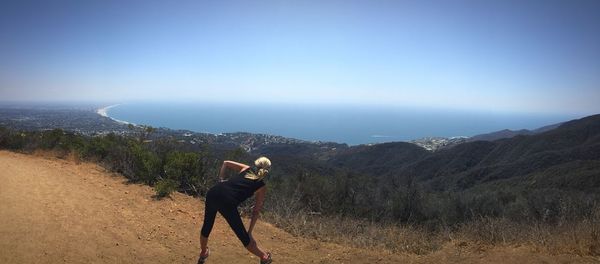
x,y
343,124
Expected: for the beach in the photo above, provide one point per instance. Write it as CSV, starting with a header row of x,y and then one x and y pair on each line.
x,y
104,112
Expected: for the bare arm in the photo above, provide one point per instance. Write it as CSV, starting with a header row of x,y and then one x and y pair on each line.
x,y
228,164
259,201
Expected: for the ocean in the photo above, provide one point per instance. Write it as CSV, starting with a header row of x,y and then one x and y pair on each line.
x,y
343,124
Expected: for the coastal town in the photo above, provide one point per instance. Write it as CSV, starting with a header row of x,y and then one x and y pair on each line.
x,y
90,121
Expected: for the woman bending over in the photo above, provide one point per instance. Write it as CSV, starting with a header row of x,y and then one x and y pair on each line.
x,y
225,197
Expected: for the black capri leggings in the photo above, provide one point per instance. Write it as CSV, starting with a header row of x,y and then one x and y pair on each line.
x,y
229,212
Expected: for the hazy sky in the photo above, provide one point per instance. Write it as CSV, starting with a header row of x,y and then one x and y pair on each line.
x,y
524,56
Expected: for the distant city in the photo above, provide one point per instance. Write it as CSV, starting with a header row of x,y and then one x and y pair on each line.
x,y
87,122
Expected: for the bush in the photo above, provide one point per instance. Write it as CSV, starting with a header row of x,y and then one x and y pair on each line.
x,y
13,140
51,139
187,169
99,147
165,187
145,164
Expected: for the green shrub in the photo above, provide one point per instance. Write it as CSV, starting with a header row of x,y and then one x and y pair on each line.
x,y
165,187
146,165
14,140
187,169
51,139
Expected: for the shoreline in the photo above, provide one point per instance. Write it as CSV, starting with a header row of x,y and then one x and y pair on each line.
x,y
104,112
372,139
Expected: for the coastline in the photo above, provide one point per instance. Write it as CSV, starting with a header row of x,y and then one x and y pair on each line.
x,y
104,112
333,125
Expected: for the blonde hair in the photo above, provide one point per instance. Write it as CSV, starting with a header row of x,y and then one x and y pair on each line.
x,y
263,164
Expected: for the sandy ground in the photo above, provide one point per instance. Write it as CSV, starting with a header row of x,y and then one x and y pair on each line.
x,y
59,211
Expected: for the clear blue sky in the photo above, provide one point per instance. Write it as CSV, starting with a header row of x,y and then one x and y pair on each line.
x,y
519,56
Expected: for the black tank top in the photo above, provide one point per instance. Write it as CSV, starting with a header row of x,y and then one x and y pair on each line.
x,y
238,188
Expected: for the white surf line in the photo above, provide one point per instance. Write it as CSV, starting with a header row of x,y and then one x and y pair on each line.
x,y
381,136
104,112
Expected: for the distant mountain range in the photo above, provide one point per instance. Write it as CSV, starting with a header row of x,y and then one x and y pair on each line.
x,y
507,133
565,155
437,143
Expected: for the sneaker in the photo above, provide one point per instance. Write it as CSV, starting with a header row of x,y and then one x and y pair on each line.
x,y
202,259
268,260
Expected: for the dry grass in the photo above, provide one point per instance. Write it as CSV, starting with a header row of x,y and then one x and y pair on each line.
x,y
578,237
360,233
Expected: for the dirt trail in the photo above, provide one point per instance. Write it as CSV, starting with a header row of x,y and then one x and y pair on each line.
x,y
57,211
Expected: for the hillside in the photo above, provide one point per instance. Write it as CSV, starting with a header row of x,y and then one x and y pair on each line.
x,y
518,158
474,163
57,210
507,133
